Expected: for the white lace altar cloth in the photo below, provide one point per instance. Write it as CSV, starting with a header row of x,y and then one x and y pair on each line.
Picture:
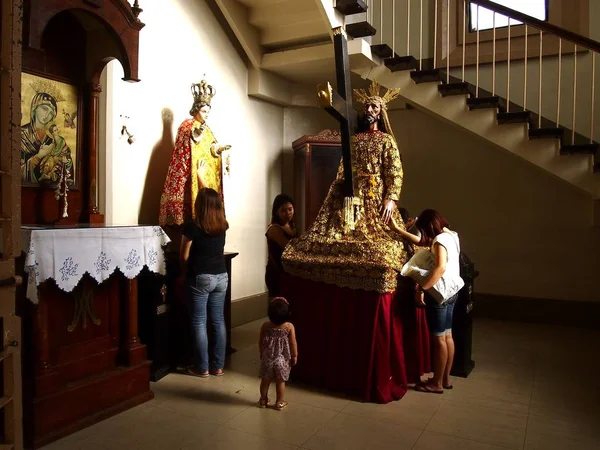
x,y
66,254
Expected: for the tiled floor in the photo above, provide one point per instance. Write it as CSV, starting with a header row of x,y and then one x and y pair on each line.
x,y
534,387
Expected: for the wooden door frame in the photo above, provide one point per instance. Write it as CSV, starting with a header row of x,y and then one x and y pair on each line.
x,y
10,220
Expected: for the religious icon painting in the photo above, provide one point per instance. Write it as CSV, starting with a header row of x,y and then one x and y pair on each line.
x,y
50,138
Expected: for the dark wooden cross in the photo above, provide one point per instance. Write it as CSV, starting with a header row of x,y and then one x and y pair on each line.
x,y
340,105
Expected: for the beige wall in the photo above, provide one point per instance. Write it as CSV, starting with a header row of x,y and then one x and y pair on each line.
x,y
401,27
181,41
527,232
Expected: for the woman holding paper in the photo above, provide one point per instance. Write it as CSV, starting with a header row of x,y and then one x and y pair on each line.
x,y
437,289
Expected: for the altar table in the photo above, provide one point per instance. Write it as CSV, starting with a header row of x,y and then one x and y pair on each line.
x,y
82,358
365,344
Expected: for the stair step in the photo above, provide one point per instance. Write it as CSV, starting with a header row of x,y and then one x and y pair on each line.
x,y
399,63
382,50
453,89
349,7
360,29
579,149
483,102
513,117
426,76
546,133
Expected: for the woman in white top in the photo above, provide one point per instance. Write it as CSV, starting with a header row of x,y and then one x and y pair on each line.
x,y
445,245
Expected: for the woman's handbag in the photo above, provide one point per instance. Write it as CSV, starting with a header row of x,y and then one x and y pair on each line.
x,y
419,267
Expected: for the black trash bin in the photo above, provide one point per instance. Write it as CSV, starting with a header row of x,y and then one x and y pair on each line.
x,y
462,326
154,310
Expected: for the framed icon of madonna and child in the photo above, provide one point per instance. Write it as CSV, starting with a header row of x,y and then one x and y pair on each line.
x,y
50,135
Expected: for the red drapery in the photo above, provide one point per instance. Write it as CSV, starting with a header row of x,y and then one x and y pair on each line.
x,y
363,343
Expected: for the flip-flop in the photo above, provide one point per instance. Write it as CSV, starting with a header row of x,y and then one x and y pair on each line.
x,y
427,388
280,406
428,381
218,374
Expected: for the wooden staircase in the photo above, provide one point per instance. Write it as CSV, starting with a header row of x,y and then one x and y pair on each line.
x,y
570,144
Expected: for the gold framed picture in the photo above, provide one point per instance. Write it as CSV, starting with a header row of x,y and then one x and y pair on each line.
x,y
50,135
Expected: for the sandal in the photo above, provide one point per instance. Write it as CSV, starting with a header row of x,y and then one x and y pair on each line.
x,y
195,372
428,388
263,403
429,380
280,406
218,373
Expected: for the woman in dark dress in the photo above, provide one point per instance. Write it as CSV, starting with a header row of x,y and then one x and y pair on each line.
x,y
281,229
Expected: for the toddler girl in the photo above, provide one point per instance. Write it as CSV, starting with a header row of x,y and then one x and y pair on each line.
x,y
278,352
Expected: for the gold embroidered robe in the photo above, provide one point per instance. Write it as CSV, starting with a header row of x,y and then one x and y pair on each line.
x,y
370,256
181,185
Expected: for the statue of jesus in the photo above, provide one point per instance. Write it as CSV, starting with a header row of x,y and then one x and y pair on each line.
x,y
370,255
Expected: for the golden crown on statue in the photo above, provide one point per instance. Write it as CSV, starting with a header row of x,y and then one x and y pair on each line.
x,y
372,95
203,92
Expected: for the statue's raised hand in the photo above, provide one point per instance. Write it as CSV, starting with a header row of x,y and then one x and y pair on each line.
x,y
197,132
222,148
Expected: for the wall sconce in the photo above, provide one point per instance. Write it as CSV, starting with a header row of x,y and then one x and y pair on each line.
x,y
125,131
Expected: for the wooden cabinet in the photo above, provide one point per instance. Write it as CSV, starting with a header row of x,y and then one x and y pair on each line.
x,y
316,161
82,357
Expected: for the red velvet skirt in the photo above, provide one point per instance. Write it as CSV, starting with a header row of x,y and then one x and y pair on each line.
x,y
365,344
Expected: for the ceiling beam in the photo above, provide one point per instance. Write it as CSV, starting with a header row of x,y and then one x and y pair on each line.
x,y
285,14
237,15
272,88
299,32
330,15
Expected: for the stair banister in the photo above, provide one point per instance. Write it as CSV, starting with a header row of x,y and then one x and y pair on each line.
x,y
547,27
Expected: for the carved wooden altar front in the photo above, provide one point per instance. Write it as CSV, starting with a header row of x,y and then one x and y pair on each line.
x,y
83,359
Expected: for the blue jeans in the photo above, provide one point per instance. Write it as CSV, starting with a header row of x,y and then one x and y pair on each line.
x,y
206,294
439,317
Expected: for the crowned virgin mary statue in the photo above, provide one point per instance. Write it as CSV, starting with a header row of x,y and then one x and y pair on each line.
x,y
196,161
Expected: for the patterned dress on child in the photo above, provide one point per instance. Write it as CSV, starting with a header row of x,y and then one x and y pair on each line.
x,y
275,356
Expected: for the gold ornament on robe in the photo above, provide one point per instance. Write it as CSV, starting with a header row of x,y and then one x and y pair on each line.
x,y
203,148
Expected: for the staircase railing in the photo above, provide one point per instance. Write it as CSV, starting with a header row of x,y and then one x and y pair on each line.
x,y
574,58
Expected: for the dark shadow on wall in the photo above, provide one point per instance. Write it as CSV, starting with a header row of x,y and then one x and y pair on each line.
x,y
157,172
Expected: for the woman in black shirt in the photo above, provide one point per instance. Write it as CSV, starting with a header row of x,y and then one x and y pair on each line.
x,y
281,229
202,248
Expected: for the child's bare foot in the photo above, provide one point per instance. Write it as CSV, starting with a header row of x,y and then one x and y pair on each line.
x,y
279,406
263,402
